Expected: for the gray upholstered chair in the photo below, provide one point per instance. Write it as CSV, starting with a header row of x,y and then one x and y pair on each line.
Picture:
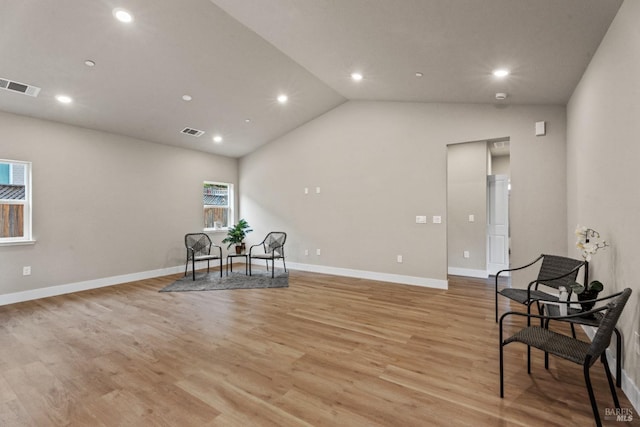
x,y
555,271
569,348
199,248
272,247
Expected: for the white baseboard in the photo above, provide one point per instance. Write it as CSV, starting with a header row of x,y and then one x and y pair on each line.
x,y
371,275
51,291
629,388
468,272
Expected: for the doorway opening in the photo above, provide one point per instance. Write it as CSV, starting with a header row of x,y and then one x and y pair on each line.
x,y
478,188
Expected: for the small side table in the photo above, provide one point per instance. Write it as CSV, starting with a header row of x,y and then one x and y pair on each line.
x,y
230,258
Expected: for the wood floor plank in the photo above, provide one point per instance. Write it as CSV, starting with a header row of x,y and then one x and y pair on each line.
x,y
327,351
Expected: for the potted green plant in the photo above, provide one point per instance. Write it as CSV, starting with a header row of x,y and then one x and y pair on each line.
x,y
587,293
236,235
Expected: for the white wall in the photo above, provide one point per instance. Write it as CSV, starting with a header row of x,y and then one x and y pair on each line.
x,y
500,165
379,164
603,154
103,205
467,195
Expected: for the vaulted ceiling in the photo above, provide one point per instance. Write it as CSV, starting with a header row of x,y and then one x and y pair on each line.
x,y
235,57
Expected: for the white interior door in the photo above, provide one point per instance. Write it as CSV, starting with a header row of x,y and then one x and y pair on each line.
x,y
498,223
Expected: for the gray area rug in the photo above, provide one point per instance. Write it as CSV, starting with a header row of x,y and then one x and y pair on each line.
x,y
213,282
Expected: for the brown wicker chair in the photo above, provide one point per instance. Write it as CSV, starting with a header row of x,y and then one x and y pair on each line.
x,y
199,247
569,348
555,271
273,247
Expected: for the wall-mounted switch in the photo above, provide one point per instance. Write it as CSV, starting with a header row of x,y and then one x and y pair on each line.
x,y
317,190
437,219
399,259
317,251
472,218
26,271
466,254
421,219
306,190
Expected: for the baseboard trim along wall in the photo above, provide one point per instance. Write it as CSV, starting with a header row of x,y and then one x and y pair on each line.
x,y
468,272
52,291
371,275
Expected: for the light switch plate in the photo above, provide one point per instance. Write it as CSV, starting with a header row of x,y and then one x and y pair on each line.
x,y
472,218
437,219
421,219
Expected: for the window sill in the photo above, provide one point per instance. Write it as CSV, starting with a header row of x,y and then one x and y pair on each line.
x,y
215,230
18,243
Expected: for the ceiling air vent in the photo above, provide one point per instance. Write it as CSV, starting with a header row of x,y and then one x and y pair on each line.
x,y
19,87
192,132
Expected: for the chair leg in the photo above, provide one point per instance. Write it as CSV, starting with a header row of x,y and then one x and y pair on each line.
x,y
273,267
193,268
546,360
185,266
266,261
573,330
284,265
220,266
618,358
592,397
208,261
610,380
501,364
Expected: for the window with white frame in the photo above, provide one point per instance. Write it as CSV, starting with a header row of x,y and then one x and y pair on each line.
x,y
217,198
15,201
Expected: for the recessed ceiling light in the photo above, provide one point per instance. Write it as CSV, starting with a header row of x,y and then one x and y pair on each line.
x,y
501,72
419,74
282,99
64,99
187,97
122,15
89,63
356,77
217,139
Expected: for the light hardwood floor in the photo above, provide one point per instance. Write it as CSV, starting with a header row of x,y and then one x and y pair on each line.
x,y
327,351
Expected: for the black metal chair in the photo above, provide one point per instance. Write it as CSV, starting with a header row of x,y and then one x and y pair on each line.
x,y
273,247
555,271
199,247
553,310
569,348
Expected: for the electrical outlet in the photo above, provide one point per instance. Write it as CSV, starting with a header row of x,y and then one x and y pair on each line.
x,y
317,190
306,190
26,271
399,259
472,218
466,254
317,251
